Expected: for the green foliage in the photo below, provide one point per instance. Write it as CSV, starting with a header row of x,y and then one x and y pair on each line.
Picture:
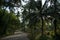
x,y
8,23
42,20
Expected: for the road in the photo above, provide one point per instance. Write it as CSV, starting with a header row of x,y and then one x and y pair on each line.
x,y
22,36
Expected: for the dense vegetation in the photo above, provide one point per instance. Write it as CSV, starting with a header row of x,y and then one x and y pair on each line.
x,y
8,22
42,22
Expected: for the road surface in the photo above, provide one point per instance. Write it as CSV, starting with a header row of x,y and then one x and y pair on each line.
x,y
22,36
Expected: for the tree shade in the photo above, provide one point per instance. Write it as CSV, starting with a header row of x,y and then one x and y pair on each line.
x,y
42,22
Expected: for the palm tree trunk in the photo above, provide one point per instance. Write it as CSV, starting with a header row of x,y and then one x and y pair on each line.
x,y
55,25
42,25
55,21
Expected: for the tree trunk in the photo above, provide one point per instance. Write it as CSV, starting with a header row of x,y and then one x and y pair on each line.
x,y
42,25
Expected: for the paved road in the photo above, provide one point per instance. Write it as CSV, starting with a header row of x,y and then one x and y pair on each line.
x,y
22,36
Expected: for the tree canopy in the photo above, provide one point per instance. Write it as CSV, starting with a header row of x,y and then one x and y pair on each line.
x,y
41,21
